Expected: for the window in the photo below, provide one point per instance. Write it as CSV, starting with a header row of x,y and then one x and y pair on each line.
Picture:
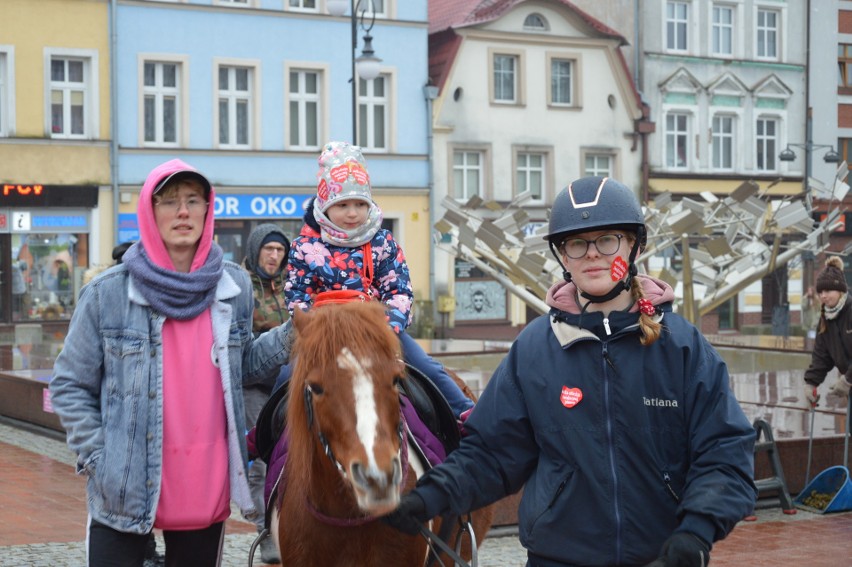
x,y
161,93
844,65
561,86
467,174
505,78
235,2
844,148
727,312
767,34
723,30
235,106
767,143
597,165
535,22
677,21
373,113
530,174
45,274
677,139
302,5
723,142
6,90
68,94
368,8
304,116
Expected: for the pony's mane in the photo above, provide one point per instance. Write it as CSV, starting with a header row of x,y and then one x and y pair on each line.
x,y
360,326
321,334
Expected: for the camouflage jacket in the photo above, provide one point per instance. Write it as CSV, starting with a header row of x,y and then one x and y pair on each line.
x,y
269,308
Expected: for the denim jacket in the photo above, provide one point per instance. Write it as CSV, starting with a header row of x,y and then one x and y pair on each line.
x,y
107,389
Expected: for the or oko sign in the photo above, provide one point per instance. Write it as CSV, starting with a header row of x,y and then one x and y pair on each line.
x,y
260,206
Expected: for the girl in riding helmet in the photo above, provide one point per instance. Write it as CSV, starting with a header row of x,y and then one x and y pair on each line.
x,y
343,248
612,413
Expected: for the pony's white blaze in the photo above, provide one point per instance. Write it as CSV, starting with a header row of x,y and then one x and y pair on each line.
x,y
366,416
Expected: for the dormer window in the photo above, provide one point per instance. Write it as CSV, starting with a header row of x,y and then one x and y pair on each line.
x,y
535,22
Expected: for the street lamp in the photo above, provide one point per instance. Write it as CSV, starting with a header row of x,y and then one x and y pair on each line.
x,y
830,156
367,63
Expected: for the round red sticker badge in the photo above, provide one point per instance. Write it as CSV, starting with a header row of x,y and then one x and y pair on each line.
x,y
618,269
570,397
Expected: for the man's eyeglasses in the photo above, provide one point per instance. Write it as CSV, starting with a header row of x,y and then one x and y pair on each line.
x,y
193,205
606,244
271,249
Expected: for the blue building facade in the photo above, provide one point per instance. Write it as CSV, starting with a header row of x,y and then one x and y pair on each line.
x,y
248,91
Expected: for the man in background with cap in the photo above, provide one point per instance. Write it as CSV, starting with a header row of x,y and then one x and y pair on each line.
x,y
834,334
266,257
148,385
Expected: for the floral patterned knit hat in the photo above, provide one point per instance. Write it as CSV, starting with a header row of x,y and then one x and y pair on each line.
x,y
343,175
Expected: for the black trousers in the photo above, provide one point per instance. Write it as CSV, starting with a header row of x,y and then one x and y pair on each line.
x,y
107,547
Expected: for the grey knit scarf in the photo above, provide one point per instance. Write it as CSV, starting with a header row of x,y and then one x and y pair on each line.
x,y
177,295
833,312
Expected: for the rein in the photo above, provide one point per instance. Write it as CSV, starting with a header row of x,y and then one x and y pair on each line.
x,y
359,521
431,538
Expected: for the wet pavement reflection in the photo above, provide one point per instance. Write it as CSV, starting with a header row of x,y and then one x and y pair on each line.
x,y
768,383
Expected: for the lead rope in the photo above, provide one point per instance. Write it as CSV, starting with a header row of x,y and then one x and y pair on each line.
x,y
431,539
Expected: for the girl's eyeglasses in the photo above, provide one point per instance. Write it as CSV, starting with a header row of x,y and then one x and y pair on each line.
x,y
606,244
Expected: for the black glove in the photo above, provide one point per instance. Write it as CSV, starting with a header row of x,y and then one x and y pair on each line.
x,y
683,549
409,515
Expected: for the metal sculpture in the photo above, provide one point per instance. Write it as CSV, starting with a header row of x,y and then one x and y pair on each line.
x,y
724,243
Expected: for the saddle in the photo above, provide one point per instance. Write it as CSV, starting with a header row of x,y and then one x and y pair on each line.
x,y
431,407
429,403
271,421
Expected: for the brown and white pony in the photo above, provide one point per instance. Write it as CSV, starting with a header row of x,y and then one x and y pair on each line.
x,y
348,459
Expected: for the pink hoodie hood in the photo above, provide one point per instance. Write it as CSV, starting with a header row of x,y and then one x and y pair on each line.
x,y
148,231
562,295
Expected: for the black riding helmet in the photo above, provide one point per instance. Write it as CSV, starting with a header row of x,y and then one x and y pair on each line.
x,y
595,203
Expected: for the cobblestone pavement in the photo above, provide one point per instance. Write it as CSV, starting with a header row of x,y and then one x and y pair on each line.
x,y
495,551
42,520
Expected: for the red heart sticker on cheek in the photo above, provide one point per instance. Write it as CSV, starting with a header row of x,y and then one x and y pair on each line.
x,y
618,269
570,397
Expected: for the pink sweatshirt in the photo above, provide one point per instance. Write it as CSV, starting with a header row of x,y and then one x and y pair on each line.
x,y
194,490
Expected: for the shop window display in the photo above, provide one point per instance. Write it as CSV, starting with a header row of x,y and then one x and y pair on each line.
x,y
46,270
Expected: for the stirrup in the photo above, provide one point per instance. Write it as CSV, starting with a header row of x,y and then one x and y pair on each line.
x,y
255,544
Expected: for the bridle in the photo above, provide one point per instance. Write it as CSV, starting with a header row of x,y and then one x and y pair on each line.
x,y
428,535
403,445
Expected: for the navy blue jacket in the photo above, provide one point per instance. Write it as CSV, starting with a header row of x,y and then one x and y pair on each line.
x,y
656,444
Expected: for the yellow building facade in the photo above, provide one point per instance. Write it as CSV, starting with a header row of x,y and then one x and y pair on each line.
x,y
55,142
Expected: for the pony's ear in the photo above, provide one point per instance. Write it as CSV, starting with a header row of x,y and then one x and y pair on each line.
x,y
301,319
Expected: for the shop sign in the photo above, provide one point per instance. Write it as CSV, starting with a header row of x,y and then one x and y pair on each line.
x,y
21,221
128,227
841,227
27,195
260,206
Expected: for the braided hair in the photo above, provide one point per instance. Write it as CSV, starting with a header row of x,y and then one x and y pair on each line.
x,y
649,327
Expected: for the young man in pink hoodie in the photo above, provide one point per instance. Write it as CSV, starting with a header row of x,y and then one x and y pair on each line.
x,y
149,383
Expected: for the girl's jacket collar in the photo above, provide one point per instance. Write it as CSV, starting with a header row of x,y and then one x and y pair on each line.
x,y
569,325
562,295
